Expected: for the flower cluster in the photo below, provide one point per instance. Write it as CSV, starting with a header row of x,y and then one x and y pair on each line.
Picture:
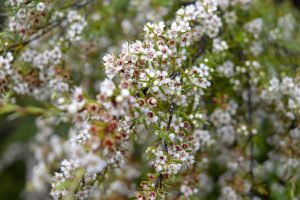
x,y
5,70
30,17
189,110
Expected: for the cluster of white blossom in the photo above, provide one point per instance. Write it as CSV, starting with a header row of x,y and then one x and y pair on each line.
x,y
286,90
146,13
155,96
224,122
5,67
45,78
47,147
226,69
46,65
286,25
30,16
202,138
160,54
282,99
75,25
151,69
219,45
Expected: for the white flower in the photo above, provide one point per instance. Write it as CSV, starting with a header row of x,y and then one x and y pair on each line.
x,y
107,87
219,45
40,6
255,27
92,163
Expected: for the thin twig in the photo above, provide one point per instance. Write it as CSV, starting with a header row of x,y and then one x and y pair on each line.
x,y
164,142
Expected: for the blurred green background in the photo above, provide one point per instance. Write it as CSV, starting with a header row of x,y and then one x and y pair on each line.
x,y
13,177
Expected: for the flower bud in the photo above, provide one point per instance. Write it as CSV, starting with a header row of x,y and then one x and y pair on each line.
x,y
152,101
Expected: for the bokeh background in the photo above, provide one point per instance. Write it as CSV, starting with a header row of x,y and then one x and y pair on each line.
x,y
19,131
